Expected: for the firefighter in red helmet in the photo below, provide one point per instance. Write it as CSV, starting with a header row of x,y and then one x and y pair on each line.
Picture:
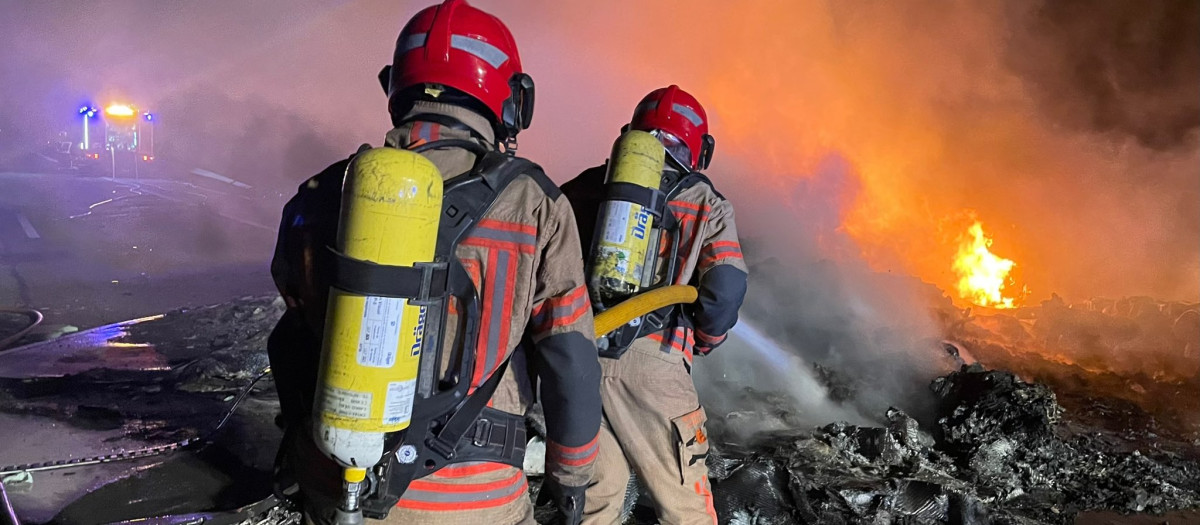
x,y
653,423
458,96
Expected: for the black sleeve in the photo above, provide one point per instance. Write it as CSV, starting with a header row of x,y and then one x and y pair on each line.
x,y
570,388
294,352
283,262
586,194
308,222
721,292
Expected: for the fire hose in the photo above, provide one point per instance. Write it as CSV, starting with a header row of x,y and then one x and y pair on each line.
x,y
643,304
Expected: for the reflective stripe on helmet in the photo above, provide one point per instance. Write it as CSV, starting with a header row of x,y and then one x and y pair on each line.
x,y
485,51
412,42
687,113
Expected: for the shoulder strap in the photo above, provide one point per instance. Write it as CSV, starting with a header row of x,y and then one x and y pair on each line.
x,y
687,181
469,196
463,418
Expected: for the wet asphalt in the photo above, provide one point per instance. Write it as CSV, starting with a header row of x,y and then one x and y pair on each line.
x,y
91,250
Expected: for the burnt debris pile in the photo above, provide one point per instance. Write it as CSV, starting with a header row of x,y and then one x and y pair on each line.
x,y
165,378
1130,365
999,454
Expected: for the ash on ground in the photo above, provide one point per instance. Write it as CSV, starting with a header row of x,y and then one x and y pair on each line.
x,y
1000,453
171,383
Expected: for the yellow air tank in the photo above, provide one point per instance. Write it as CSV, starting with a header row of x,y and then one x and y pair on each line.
x,y
625,242
391,204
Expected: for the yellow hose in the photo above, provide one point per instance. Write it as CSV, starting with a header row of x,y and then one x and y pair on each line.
x,y
643,304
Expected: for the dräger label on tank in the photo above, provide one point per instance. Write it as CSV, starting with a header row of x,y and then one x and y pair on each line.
x,y
397,408
347,403
380,332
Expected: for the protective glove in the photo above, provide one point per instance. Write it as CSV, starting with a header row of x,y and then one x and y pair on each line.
x,y
569,500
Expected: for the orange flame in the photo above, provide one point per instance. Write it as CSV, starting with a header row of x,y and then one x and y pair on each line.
x,y
982,275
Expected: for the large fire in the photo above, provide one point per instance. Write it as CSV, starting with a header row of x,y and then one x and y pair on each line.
x,y
982,275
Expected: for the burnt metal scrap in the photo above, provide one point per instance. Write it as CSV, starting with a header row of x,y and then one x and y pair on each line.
x,y
164,376
995,450
996,456
141,418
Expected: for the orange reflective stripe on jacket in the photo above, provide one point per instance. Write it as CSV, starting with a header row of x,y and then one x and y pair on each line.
x,y
560,311
712,253
691,217
497,234
432,493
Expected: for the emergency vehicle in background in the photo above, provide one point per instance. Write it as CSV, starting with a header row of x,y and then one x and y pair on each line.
x,y
116,139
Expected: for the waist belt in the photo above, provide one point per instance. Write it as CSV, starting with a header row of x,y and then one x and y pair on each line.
x,y
614,344
495,437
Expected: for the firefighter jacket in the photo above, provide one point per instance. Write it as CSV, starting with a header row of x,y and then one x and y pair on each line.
x,y
523,256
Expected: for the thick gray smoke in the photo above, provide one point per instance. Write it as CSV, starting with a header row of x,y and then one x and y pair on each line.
x,y
859,340
1129,69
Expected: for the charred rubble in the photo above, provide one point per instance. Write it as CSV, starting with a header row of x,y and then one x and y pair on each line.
x,y
1131,366
997,455
170,376
996,449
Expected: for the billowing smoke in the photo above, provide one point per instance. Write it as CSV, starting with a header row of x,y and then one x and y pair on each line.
x,y
852,137
1065,126
941,108
857,139
1113,67
866,340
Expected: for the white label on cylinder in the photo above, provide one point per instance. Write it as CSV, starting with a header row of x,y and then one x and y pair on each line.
x,y
380,333
347,403
398,406
616,225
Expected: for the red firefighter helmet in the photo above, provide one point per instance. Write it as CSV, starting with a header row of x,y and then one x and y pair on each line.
x,y
676,113
461,47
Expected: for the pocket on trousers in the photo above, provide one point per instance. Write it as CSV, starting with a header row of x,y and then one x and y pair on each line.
x,y
692,441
